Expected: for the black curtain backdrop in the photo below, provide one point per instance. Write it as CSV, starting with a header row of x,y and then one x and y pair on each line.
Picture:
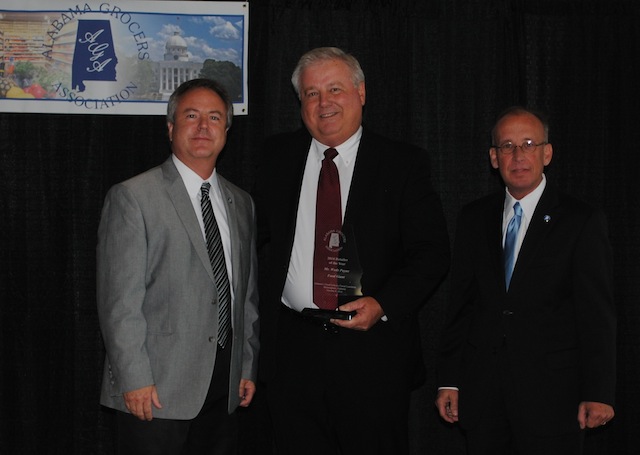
x,y
437,73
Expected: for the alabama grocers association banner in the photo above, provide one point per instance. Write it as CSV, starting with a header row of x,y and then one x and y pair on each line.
x,y
117,57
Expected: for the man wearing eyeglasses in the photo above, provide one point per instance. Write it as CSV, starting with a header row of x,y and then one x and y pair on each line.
x,y
527,358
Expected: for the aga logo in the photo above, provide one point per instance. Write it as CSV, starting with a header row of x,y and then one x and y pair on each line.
x,y
94,57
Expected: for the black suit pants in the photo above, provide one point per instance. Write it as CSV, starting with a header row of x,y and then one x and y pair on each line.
x,y
213,431
500,431
336,392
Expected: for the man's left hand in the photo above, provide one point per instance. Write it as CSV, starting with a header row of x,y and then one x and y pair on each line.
x,y
247,390
368,313
592,414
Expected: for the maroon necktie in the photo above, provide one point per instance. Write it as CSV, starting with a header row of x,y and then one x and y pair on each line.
x,y
328,232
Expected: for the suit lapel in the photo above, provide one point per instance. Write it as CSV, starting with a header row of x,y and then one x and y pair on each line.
x,y
232,219
365,177
544,218
180,199
292,166
494,238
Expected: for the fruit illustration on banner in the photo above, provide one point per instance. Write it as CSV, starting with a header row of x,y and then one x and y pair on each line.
x,y
36,90
5,86
17,92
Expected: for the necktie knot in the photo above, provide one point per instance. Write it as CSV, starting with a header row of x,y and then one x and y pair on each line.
x,y
330,154
517,209
204,189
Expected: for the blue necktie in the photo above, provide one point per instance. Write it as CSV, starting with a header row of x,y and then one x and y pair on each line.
x,y
510,243
216,256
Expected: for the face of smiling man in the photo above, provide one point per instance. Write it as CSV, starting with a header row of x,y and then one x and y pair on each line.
x,y
199,131
521,171
331,104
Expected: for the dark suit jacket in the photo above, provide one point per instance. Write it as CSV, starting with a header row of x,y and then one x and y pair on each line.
x,y
399,228
557,319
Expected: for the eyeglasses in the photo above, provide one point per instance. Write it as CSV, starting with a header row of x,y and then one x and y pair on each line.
x,y
527,146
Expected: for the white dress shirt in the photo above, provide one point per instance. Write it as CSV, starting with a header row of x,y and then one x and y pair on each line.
x,y
298,288
528,204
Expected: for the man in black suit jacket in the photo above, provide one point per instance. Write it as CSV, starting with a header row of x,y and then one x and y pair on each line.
x,y
343,386
526,365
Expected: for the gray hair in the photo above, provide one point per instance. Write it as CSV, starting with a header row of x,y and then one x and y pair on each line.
x,y
322,54
192,84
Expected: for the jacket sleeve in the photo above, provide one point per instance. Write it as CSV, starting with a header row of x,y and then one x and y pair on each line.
x,y
121,259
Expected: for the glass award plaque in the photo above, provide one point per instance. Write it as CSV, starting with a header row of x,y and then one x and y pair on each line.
x,y
345,265
340,276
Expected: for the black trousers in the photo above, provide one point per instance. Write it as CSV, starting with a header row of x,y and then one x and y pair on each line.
x,y
500,434
336,393
213,431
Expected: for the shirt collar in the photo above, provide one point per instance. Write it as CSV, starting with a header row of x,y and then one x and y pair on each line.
x,y
193,181
347,151
528,203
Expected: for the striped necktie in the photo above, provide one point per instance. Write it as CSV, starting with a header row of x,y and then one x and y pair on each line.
x,y
216,256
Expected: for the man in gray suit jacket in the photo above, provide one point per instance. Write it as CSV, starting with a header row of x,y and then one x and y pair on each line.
x,y
176,368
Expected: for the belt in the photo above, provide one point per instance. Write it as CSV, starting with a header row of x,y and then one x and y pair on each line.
x,y
326,326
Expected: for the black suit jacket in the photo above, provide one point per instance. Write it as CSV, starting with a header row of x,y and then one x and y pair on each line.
x,y
399,228
557,320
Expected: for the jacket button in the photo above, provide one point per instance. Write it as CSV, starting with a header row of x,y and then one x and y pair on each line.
x,y
212,339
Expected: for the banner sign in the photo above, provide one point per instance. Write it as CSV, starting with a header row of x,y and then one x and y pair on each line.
x,y
124,57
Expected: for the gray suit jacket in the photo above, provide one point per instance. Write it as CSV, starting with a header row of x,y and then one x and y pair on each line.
x,y
157,301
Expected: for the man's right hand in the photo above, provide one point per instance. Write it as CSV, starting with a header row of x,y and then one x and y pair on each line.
x,y
447,404
139,402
